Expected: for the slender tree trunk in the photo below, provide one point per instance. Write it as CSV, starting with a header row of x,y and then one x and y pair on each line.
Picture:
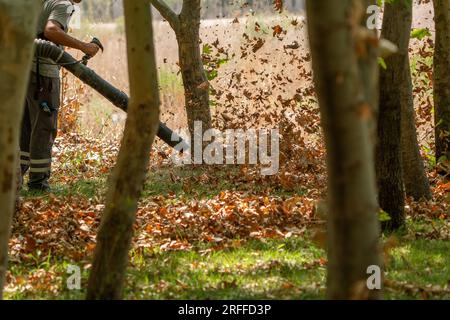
x,y
396,28
196,86
195,83
116,230
353,228
442,81
416,182
18,20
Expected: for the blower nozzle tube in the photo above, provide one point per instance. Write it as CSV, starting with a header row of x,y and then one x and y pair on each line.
x,y
47,49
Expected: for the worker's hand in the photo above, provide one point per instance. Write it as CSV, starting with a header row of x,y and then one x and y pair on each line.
x,y
90,49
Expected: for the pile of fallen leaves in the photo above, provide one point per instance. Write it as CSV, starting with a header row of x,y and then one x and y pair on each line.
x,y
67,225
223,219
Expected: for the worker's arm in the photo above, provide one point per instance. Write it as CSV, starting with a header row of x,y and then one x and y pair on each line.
x,y
56,34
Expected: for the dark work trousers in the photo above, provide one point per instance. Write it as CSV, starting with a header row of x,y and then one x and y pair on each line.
x,y
39,128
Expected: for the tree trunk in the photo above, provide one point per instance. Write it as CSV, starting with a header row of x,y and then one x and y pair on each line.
x,y
196,86
416,182
391,194
353,228
442,80
116,229
18,20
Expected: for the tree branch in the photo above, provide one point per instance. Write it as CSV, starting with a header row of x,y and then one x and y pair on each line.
x,y
167,13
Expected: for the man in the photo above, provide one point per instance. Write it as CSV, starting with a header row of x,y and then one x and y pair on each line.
x,y
39,125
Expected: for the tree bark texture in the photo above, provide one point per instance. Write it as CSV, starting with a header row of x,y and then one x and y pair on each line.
x,y
18,21
116,230
415,179
186,26
391,194
353,227
442,81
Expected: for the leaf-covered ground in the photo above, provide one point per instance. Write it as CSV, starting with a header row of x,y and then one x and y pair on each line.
x,y
214,233
221,231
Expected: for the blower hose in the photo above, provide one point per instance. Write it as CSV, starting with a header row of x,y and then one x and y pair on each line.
x,y
46,49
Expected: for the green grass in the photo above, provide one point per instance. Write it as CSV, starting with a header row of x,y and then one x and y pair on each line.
x,y
86,188
169,80
96,115
189,183
268,269
257,270
421,261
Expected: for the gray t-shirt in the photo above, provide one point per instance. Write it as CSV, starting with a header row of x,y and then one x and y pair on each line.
x,y
60,11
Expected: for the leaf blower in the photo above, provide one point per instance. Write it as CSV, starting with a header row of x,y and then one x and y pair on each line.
x,y
46,49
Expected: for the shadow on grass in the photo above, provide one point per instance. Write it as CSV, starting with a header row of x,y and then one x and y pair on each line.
x,y
87,188
421,261
270,269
